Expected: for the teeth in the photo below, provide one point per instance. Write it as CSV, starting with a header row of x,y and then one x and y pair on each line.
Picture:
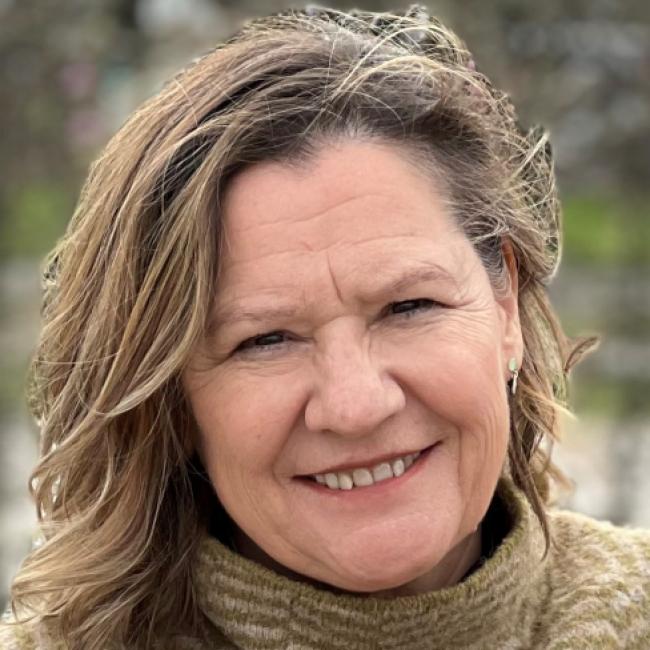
x,y
382,471
332,481
345,481
363,476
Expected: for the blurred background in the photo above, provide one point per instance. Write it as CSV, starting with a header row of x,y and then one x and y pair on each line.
x,y
71,71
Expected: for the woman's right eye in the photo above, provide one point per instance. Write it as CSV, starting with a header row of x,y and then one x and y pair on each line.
x,y
262,341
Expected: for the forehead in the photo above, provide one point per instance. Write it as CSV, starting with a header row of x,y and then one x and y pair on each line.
x,y
358,209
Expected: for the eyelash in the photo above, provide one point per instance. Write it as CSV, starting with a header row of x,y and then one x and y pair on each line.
x,y
422,304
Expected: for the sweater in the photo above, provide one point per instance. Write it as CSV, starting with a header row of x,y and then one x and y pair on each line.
x,y
590,591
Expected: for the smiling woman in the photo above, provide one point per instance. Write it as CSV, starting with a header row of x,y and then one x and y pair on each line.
x,y
299,373
395,342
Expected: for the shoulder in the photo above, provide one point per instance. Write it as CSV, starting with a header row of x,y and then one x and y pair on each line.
x,y
584,544
599,583
23,636
15,636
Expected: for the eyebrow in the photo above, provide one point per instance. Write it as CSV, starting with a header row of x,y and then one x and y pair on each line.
x,y
230,313
428,272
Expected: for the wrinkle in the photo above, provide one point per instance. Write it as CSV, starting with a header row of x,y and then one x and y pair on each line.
x,y
336,245
305,219
334,282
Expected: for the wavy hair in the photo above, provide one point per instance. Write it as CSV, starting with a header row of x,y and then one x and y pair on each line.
x,y
119,492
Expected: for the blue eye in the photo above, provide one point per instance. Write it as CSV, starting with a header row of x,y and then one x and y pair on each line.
x,y
408,308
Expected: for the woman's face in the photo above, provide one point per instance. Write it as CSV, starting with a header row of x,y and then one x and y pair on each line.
x,y
354,324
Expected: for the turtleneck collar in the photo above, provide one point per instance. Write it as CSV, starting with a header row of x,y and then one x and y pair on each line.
x,y
255,607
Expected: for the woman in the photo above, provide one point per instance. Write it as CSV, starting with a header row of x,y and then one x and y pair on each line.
x,y
299,370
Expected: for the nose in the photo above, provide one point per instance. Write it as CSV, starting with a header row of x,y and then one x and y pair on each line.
x,y
353,396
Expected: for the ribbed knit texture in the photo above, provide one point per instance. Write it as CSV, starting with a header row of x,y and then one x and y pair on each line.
x,y
591,591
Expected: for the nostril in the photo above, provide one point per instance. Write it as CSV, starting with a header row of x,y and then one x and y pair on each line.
x,y
357,412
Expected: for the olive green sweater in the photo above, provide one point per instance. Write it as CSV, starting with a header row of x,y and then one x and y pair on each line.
x,y
592,590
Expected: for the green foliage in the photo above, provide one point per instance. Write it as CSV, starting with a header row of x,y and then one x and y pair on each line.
x,y
34,218
610,397
13,381
607,230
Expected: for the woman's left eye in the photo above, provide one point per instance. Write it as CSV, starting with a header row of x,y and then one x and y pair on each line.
x,y
409,308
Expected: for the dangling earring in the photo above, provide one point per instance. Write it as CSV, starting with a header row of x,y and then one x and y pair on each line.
x,y
512,366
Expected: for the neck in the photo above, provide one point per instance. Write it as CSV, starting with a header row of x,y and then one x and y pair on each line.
x,y
450,571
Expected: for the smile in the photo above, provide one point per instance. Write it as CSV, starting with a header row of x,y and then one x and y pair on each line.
x,y
365,477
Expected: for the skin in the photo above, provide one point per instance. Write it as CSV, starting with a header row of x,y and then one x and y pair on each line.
x,y
356,369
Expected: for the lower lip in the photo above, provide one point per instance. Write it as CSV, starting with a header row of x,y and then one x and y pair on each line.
x,y
376,489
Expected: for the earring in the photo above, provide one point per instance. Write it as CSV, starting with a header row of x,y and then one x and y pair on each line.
x,y
512,366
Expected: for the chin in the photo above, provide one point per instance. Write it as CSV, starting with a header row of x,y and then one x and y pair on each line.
x,y
389,583
380,566
379,585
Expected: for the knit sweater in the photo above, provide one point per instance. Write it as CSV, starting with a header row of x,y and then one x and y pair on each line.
x,y
591,590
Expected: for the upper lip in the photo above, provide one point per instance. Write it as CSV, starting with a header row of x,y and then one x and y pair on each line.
x,y
366,462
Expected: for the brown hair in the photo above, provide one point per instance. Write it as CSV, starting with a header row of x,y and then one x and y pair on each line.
x,y
129,287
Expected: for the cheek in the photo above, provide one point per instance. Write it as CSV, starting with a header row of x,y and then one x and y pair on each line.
x,y
457,376
244,422
457,367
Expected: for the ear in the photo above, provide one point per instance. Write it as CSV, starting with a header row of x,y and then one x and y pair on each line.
x,y
512,344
